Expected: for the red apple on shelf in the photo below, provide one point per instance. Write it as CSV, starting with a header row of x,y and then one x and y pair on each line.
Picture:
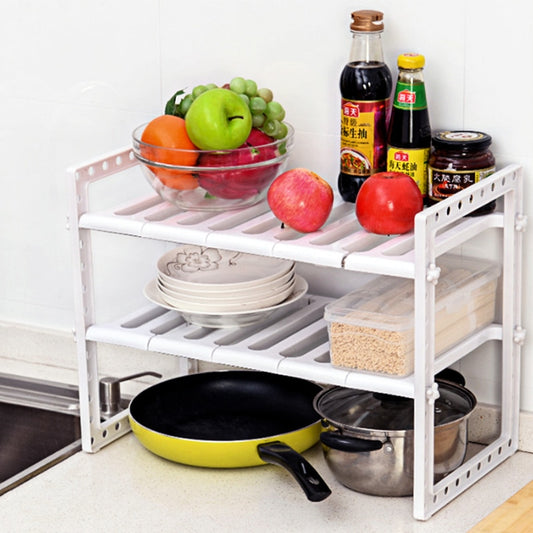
x,y
387,203
239,183
301,199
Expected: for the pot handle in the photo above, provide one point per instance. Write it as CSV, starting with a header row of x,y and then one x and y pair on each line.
x,y
280,454
345,443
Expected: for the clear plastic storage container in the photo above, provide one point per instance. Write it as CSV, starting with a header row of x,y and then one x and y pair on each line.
x,y
372,328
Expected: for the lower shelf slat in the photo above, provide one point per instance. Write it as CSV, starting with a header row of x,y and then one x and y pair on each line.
x,y
293,342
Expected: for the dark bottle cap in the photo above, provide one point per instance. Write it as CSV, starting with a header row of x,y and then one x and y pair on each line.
x,y
476,141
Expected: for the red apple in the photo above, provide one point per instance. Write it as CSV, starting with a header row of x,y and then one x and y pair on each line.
x,y
301,199
387,203
239,183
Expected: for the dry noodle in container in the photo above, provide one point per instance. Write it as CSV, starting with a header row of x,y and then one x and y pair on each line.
x,y
372,328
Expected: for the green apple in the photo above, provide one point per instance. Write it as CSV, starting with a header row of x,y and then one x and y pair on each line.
x,y
218,119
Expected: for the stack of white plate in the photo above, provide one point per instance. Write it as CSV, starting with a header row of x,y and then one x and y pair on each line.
x,y
201,281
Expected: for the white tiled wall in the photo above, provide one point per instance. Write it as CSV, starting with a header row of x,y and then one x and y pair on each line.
x,y
77,77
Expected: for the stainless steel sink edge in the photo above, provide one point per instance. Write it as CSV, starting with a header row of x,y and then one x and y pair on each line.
x,y
41,394
40,467
40,427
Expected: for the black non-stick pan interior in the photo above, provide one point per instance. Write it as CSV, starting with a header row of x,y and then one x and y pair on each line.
x,y
226,406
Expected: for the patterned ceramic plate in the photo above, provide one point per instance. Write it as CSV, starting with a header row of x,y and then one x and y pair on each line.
x,y
204,268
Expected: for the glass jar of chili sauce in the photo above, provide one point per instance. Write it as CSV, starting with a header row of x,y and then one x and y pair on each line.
x,y
459,159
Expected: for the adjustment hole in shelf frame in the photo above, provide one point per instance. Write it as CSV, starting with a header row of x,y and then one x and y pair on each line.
x,y
105,165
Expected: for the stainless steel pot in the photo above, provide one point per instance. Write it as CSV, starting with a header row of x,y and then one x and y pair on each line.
x,y
368,440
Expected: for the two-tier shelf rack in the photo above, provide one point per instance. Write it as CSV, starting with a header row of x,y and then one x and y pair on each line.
x,y
294,342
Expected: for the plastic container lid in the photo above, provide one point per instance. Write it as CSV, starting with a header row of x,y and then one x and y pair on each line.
x,y
387,303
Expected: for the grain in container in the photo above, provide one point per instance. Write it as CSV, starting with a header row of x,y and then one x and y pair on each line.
x,y
372,328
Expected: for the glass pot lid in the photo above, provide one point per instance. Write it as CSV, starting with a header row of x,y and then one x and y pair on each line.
x,y
356,409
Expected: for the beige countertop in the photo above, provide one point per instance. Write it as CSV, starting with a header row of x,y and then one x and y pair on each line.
x,y
126,488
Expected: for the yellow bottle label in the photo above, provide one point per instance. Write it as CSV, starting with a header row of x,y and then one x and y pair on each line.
x,y
413,162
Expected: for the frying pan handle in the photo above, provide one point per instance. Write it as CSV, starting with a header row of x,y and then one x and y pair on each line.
x,y
345,443
280,454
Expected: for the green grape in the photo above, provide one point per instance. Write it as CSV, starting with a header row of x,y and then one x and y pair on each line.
x,y
245,99
258,120
198,90
210,86
185,103
275,111
271,127
283,131
250,88
265,94
238,85
257,105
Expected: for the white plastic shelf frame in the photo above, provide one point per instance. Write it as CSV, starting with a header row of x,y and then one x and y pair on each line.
x,y
294,341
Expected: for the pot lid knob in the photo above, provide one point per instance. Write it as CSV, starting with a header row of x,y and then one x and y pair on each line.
x,y
432,393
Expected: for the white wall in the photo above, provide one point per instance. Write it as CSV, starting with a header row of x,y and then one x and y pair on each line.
x,y
77,77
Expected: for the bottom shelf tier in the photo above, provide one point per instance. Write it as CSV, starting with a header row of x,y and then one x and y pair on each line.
x,y
293,341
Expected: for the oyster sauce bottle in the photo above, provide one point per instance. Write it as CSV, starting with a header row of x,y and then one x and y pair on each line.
x,y
409,134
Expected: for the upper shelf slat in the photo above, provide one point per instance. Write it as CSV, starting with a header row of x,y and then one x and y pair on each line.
x,y
340,243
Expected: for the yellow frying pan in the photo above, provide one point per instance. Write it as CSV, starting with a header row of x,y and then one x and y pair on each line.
x,y
232,419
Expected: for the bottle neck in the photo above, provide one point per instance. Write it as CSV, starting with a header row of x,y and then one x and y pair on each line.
x,y
410,92
411,75
367,47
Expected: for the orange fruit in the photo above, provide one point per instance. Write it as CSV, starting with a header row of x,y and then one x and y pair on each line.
x,y
169,144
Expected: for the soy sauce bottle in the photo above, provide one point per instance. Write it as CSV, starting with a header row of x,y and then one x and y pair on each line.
x,y
409,134
365,86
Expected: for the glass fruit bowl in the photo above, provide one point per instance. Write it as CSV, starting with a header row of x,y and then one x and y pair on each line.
x,y
207,180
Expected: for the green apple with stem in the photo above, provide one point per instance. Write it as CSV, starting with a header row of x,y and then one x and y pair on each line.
x,y
218,119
